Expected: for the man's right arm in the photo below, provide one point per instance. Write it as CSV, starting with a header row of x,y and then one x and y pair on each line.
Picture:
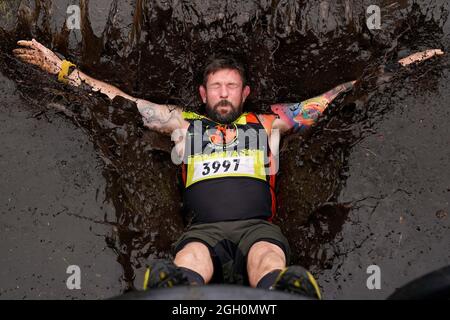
x,y
161,118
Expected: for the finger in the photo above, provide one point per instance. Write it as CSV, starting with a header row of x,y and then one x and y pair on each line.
x,y
29,59
24,51
25,43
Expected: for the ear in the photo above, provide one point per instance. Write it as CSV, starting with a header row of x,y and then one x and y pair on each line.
x,y
202,91
245,93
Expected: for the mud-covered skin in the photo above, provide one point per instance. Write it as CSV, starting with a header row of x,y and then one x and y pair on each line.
x,y
368,185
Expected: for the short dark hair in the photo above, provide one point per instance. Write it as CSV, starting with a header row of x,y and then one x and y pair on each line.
x,y
224,61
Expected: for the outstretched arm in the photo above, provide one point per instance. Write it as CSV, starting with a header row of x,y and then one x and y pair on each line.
x,y
297,117
161,118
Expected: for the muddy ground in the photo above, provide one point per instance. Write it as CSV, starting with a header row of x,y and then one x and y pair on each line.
x,y
84,183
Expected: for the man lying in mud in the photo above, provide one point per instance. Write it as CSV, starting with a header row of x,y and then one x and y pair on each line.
x,y
229,162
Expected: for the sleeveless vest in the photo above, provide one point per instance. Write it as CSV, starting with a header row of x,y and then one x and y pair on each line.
x,y
228,169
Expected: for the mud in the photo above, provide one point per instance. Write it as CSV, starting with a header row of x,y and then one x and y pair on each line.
x,y
84,183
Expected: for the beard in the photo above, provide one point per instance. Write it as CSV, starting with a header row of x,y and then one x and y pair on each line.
x,y
226,118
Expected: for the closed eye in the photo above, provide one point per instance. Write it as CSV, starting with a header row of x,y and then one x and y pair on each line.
x,y
214,86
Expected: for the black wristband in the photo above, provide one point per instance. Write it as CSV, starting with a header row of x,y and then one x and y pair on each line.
x,y
71,69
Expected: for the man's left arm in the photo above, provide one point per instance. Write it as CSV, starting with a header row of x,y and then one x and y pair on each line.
x,y
298,117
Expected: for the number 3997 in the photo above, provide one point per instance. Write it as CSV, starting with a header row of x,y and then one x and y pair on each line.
x,y
223,166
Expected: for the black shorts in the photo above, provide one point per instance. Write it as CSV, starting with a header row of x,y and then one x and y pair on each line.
x,y
229,243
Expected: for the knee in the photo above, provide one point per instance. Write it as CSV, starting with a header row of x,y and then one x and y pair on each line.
x,y
263,258
196,256
194,253
263,255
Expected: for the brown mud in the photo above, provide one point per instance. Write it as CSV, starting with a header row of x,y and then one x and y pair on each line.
x,y
84,183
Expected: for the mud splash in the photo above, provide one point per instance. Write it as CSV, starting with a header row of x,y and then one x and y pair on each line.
x,y
336,194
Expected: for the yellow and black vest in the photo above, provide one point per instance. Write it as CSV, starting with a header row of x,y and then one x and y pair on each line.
x,y
228,169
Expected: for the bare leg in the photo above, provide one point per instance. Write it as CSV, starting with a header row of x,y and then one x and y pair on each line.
x,y
263,258
195,256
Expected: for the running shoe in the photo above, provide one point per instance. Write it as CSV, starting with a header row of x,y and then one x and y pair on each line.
x,y
163,274
296,279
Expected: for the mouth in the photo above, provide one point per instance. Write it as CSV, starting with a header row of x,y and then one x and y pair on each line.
x,y
223,108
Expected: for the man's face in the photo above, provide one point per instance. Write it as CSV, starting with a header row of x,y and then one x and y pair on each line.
x,y
224,95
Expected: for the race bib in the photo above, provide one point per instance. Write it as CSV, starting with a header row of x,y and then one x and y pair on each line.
x,y
222,164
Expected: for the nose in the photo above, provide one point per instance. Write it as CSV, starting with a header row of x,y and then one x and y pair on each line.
x,y
223,92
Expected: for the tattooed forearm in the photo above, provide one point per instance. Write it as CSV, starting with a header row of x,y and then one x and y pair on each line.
x,y
148,113
151,114
300,116
162,118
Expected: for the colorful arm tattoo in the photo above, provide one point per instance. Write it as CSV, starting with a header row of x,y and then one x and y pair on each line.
x,y
300,116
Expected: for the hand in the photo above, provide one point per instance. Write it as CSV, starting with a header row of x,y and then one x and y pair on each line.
x,y
35,53
420,56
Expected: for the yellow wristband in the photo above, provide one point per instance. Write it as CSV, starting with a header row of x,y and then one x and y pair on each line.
x,y
65,71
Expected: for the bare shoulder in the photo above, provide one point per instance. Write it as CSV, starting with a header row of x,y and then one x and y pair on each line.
x,y
272,122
